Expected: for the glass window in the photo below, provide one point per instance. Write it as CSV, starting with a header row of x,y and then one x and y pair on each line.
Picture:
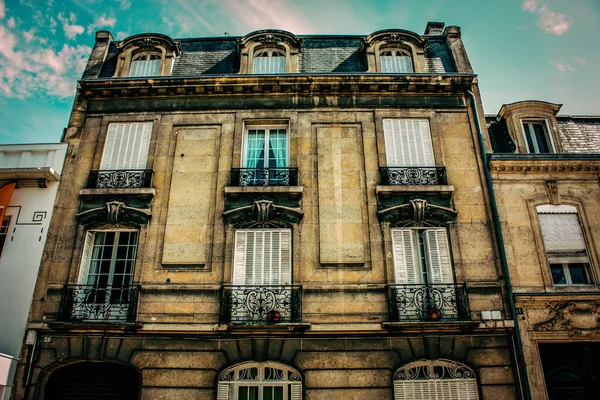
x,y
145,64
269,61
273,381
395,61
265,157
536,137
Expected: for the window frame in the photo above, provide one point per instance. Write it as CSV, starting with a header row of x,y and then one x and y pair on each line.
x,y
149,53
267,127
548,136
229,381
269,50
399,49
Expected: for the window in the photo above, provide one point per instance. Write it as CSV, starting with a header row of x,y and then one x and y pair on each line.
x,y
106,274
435,379
395,61
4,232
564,244
408,143
260,381
265,156
126,146
536,137
145,64
269,61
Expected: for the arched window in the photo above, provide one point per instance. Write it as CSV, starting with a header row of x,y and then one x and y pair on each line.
x,y
145,64
395,61
260,381
269,61
435,379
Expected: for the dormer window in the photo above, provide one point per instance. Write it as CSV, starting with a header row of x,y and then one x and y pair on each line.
x,y
395,61
536,137
269,61
145,64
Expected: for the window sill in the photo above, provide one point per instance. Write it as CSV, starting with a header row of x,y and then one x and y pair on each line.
x,y
433,326
391,189
96,325
113,191
259,328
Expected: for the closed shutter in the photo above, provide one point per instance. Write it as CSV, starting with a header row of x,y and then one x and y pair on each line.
x,y
126,146
437,256
239,258
406,256
447,389
562,232
86,256
263,257
408,143
296,391
224,391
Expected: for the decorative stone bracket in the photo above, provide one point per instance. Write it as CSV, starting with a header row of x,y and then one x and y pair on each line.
x,y
419,211
114,213
574,317
263,212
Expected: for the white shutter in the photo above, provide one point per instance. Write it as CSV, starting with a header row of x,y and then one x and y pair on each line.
x,y
437,256
296,391
406,257
408,143
224,391
447,389
562,232
262,257
285,255
86,256
239,258
126,146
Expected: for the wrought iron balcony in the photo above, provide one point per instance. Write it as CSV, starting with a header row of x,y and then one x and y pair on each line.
x,y
120,179
261,305
264,176
413,175
99,304
434,302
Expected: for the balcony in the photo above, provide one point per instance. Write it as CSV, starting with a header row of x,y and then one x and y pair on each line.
x,y
120,179
89,303
260,305
428,303
413,176
264,177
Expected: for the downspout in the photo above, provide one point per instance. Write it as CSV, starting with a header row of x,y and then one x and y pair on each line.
x,y
521,368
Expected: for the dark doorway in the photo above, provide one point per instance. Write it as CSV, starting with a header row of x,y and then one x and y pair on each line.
x,y
572,371
92,381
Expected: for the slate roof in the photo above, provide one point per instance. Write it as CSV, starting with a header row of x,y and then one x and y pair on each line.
x,y
319,54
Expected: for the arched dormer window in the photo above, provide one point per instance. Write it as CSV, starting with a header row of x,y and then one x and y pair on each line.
x,y
395,61
435,379
147,54
269,52
145,64
260,381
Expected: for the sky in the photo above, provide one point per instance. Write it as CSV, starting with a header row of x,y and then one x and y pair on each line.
x,y
521,49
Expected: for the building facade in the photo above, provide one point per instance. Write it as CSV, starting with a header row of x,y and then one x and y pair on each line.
x,y
273,217
29,175
545,174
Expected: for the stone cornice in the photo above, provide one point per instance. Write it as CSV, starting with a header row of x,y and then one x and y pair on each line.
x,y
276,85
570,165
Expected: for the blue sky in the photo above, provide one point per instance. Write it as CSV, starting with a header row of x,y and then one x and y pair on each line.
x,y
521,49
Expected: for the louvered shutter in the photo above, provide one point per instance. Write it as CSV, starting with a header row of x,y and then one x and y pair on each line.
x,y
296,391
126,146
239,258
224,391
263,257
408,143
447,389
86,256
406,257
562,232
285,257
437,256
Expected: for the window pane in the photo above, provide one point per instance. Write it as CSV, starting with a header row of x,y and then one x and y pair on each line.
x,y
530,145
248,393
578,275
255,156
540,136
558,274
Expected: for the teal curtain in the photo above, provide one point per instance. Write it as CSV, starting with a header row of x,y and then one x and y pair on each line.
x,y
277,148
255,156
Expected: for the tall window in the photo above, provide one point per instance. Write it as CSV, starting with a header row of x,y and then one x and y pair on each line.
x,y
395,61
435,379
564,244
408,143
266,149
4,232
536,137
269,61
126,146
260,381
145,64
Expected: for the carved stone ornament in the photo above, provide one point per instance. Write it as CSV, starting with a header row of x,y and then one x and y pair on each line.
x,y
574,317
114,213
147,42
417,211
393,38
263,213
552,190
269,39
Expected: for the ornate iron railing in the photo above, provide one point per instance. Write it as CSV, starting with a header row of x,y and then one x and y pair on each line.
x,y
264,176
434,302
413,175
101,304
260,304
120,179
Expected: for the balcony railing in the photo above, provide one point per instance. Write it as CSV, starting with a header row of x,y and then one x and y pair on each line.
x,y
261,305
120,179
99,304
428,302
264,176
413,175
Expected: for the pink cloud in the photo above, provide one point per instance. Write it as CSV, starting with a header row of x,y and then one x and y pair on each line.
x,y
102,22
563,67
2,9
582,61
553,22
69,26
11,22
529,5
260,14
29,35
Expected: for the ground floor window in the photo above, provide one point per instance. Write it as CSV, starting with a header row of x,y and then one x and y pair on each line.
x,y
260,381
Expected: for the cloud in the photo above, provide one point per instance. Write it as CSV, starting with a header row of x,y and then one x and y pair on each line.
x,y
68,24
122,35
101,22
29,35
563,67
125,4
553,22
529,5
582,61
11,22
260,14
2,9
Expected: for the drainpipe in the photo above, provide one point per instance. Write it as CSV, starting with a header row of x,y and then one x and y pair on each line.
x,y
521,368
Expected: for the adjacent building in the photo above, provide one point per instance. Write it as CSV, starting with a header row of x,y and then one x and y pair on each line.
x,y
29,175
273,217
545,174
